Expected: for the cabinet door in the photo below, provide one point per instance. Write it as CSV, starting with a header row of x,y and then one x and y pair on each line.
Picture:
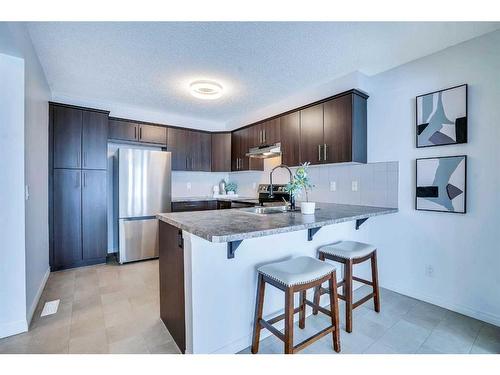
x,y
67,129
337,128
254,135
95,140
123,130
153,134
235,150
172,301
221,152
271,131
177,143
67,235
311,134
204,162
290,139
94,210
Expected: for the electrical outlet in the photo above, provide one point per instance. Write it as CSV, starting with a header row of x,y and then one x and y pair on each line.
x,y
254,186
27,192
429,271
333,186
188,185
354,186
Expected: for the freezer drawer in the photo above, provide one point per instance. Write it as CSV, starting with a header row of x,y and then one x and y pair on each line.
x,y
138,239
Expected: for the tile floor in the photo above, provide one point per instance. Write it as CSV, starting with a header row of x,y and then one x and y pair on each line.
x,y
115,309
103,309
404,326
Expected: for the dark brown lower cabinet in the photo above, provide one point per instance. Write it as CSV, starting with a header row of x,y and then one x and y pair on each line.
x,y
171,267
94,221
67,221
79,223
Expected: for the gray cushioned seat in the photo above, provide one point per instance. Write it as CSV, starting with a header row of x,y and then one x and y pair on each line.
x,y
300,270
348,249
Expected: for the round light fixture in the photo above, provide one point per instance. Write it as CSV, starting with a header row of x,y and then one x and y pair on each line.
x,y
204,89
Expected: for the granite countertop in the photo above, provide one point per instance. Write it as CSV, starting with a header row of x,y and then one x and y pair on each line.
x,y
236,224
211,198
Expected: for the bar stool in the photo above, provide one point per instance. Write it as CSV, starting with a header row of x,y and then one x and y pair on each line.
x,y
349,253
291,276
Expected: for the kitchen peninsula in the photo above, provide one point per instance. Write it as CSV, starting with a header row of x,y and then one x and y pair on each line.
x,y
208,262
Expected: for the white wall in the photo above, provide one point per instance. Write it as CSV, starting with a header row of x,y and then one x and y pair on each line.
x,y
15,40
463,250
12,256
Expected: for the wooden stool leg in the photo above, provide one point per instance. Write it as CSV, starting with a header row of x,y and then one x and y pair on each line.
x,y
317,290
317,295
376,293
334,311
348,294
302,313
259,305
289,321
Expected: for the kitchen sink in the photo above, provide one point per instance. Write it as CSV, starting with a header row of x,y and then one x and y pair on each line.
x,y
268,210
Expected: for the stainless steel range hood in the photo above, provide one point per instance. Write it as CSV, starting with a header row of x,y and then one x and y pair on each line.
x,y
264,152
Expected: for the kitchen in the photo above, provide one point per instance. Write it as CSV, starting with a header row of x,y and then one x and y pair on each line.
x,y
306,219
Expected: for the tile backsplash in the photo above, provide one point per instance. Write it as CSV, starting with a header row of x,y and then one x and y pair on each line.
x,y
374,184
195,184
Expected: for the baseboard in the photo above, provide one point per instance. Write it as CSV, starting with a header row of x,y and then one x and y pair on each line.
x,y
13,328
39,292
447,304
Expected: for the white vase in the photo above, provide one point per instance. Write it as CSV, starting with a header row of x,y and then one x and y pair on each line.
x,y
307,208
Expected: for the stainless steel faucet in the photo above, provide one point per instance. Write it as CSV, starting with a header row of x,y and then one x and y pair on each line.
x,y
271,194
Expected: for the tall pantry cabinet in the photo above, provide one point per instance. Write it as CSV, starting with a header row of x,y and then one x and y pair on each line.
x,y
77,191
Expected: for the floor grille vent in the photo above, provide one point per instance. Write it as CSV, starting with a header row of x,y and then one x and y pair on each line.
x,y
50,307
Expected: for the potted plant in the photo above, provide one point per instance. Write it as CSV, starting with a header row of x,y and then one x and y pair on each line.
x,y
231,187
301,183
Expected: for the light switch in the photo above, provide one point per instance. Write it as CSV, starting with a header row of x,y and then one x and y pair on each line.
x,y
188,185
333,186
254,186
355,186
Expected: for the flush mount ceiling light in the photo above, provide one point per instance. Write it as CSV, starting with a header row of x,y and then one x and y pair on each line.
x,y
204,89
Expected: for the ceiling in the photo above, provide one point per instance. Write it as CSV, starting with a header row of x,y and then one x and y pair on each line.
x,y
150,65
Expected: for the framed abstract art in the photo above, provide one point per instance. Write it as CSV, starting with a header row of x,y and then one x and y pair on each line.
x,y
441,184
441,117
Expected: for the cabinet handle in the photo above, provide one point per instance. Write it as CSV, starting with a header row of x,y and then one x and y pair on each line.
x,y
135,132
264,136
140,133
84,158
78,158
85,180
325,154
319,152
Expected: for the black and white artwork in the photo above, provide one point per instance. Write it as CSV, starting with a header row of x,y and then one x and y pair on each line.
x,y
441,184
442,117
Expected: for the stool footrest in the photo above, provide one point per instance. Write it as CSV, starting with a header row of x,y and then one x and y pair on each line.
x,y
363,300
362,280
320,308
276,319
313,338
270,327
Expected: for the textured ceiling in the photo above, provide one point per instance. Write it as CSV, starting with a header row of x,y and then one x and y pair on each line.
x,y
148,65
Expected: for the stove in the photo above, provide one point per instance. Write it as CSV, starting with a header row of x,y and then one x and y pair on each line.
x,y
279,193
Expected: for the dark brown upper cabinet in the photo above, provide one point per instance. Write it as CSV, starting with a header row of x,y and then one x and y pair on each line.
x,y
153,134
264,133
240,144
121,130
311,134
191,150
221,152
94,140
290,139
79,137
335,130
67,137
130,131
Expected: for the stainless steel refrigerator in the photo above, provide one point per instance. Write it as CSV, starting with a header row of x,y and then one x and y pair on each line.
x,y
144,190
